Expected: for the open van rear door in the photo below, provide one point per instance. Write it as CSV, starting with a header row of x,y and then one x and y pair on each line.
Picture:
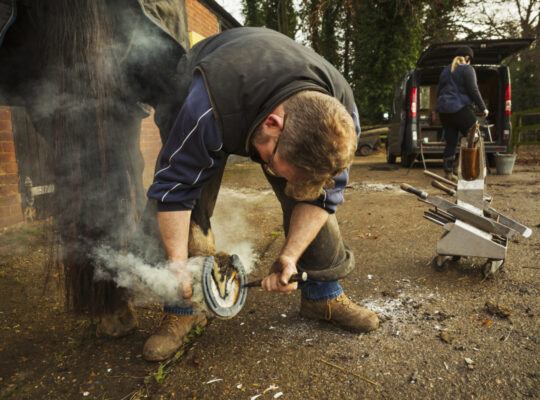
x,y
486,52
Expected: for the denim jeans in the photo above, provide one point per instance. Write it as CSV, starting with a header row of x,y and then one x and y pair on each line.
x,y
179,309
319,290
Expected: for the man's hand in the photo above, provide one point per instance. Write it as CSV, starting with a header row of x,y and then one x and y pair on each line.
x,y
280,273
485,113
306,222
185,280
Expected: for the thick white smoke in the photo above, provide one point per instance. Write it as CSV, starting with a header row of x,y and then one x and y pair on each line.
x,y
145,280
150,283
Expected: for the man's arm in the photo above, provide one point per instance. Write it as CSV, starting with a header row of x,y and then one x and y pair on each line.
x,y
306,222
189,158
174,228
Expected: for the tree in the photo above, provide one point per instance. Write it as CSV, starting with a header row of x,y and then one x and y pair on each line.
x,y
386,38
374,42
510,19
279,15
253,12
325,27
439,21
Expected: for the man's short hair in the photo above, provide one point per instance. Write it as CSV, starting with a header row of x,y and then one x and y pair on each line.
x,y
319,137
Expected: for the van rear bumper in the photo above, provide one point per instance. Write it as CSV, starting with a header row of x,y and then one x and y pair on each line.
x,y
436,148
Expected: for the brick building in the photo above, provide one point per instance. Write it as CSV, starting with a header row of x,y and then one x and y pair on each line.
x,y
10,199
204,18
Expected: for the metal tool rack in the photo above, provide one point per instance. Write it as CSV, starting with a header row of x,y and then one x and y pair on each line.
x,y
473,227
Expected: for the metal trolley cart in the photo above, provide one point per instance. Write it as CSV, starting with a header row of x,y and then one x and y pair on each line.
x,y
473,227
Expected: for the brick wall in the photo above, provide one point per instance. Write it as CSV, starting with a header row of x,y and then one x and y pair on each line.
x,y
10,199
200,19
150,146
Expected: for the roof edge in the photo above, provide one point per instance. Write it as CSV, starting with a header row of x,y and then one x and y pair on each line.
x,y
229,20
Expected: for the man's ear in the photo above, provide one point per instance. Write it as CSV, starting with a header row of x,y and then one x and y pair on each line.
x,y
274,120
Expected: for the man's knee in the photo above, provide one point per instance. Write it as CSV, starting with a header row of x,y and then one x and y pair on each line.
x,y
327,257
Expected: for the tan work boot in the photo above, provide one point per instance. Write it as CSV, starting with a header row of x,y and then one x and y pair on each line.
x,y
341,312
170,335
119,323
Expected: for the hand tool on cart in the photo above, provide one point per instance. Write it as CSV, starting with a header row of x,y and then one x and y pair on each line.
x,y
225,286
474,228
445,189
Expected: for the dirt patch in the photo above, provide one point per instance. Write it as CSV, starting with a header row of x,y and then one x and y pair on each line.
x,y
440,336
528,155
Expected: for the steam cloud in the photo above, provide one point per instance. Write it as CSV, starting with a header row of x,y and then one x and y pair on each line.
x,y
133,273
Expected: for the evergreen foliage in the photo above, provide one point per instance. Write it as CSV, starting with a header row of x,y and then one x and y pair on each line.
x,y
279,15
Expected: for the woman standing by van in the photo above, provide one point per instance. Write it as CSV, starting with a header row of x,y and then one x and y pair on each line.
x,y
457,92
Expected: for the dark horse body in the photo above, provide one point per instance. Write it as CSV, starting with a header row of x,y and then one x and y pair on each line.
x,y
82,69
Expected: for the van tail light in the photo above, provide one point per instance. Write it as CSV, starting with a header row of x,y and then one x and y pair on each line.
x,y
413,101
507,100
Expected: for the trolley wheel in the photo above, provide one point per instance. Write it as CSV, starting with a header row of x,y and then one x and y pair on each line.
x,y
491,267
441,262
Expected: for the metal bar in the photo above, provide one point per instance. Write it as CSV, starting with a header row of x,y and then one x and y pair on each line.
x,y
443,217
441,223
300,277
480,222
521,229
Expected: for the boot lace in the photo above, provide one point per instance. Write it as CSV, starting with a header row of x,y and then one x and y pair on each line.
x,y
167,323
340,300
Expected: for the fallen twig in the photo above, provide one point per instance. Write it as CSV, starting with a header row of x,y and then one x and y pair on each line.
x,y
506,337
531,267
350,372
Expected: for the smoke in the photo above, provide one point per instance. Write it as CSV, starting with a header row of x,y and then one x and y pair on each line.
x,y
233,231
156,282
149,283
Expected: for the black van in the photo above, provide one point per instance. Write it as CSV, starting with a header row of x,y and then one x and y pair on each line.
x,y
415,126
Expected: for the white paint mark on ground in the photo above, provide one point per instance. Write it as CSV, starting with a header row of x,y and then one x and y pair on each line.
x,y
373,187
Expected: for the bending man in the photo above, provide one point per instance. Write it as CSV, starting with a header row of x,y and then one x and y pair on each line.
x,y
257,93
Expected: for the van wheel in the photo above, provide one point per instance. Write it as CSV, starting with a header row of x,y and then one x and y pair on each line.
x,y
365,150
390,158
407,160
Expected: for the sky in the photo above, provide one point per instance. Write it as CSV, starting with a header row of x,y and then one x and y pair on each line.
x,y
233,7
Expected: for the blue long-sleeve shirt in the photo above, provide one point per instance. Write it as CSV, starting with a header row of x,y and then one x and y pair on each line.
x,y
191,156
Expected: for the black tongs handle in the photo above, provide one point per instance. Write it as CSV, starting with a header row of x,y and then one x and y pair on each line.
x,y
300,277
410,189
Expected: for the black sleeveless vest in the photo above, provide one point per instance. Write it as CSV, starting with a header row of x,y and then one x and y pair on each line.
x,y
248,72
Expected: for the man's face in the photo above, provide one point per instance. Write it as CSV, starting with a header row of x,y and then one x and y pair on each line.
x,y
267,145
275,165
